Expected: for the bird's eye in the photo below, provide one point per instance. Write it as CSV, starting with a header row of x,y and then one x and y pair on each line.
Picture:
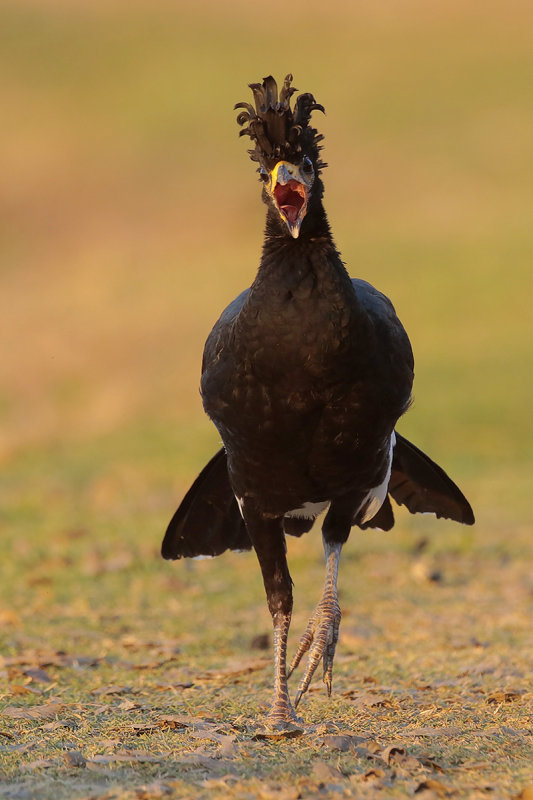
x,y
263,174
307,164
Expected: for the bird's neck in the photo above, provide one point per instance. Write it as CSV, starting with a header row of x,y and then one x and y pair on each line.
x,y
310,264
301,301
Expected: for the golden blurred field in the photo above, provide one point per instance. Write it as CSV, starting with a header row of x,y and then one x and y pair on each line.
x,y
130,215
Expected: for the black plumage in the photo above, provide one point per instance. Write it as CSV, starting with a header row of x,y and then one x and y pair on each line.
x,y
305,375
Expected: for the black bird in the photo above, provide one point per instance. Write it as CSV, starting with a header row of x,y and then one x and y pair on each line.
x,y
305,375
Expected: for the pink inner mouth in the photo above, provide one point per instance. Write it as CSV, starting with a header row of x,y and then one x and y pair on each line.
x,y
290,198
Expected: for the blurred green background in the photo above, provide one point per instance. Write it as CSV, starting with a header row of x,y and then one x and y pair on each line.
x,y
131,216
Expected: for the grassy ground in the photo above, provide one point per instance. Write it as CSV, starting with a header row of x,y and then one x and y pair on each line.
x,y
124,192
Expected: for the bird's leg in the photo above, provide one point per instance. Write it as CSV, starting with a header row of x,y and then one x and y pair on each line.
x,y
269,543
281,714
322,632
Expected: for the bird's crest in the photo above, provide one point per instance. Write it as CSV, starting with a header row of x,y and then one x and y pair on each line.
x,y
278,131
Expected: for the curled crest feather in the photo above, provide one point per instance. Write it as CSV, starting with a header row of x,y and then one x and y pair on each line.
x,y
278,131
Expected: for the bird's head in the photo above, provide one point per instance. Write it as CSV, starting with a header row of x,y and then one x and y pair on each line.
x,y
286,148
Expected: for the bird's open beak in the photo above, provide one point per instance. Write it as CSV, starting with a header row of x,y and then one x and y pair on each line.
x,y
290,192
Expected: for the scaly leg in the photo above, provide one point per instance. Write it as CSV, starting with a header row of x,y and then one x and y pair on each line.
x,y
281,715
269,543
322,632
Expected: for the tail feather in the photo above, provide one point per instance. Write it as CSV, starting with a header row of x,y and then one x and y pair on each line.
x,y
423,487
208,520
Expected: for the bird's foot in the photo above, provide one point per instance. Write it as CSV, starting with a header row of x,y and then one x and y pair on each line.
x,y
320,639
281,721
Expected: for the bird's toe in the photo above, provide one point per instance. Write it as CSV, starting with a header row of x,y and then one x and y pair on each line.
x,y
282,719
320,640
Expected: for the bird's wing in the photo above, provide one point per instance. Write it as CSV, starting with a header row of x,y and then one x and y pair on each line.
x,y
390,330
217,339
208,521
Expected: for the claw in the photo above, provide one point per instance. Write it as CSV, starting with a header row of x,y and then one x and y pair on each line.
x,y
322,632
329,653
305,643
282,718
320,639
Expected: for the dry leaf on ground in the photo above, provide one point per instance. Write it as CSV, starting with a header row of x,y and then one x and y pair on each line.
x,y
502,696
73,758
104,691
50,658
139,728
369,699
266,734
38,674
17,690
434,787
372,774
134,756
221,738
277,791
153,790
325,773
235,670
395,755
41,763
186,721
339,742
427,730
46,711
128,705
427,761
